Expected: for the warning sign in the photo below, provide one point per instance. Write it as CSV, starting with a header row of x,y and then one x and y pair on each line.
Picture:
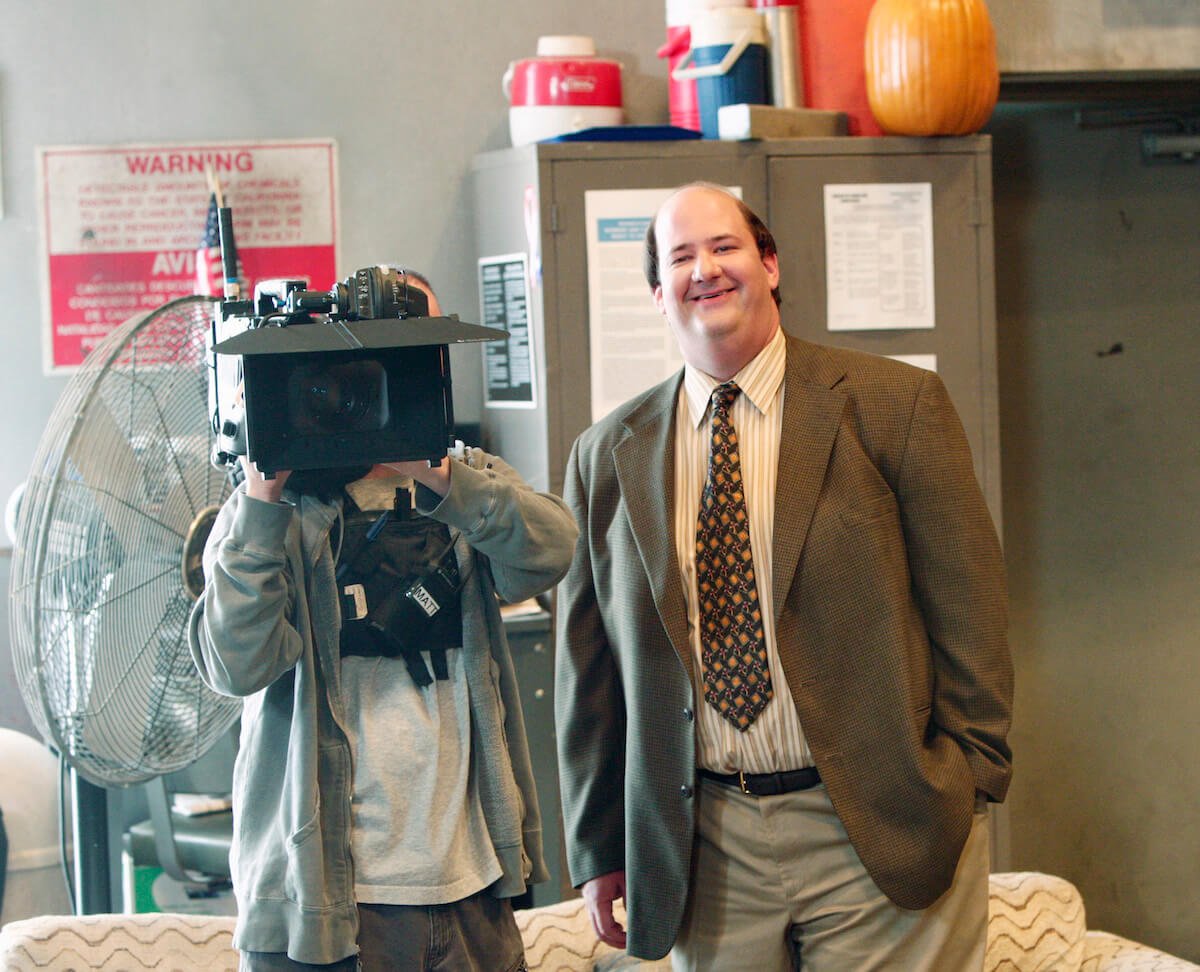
x,y
124,226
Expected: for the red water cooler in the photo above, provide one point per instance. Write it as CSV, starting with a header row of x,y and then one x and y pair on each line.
x,y
565,89
832,38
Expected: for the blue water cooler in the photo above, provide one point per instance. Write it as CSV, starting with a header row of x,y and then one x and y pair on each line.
x,y
729,62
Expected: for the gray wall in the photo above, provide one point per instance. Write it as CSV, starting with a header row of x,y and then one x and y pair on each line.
x,y
410,91
1101,469
1100,460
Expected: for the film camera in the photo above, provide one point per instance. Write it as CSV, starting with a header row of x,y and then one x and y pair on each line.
x,y
352,376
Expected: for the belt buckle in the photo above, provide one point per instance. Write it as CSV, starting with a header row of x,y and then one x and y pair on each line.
x,y
742,783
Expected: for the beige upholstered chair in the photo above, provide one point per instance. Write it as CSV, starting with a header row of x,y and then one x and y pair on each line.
x,y
1036,924
119,943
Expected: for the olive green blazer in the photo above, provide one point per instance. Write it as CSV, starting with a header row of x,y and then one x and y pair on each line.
x,y
891,620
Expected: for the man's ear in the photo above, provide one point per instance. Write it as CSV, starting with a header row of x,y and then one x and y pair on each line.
x,y
658,300
771,262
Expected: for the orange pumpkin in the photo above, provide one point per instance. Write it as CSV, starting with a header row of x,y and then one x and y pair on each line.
x,y
931,66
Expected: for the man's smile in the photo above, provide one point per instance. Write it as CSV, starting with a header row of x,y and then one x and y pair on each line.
x,y
712,295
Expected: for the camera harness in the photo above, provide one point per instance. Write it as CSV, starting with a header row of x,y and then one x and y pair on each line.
x,y
398,583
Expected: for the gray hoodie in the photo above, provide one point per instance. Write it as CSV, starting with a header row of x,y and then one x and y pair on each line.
x,y
266,629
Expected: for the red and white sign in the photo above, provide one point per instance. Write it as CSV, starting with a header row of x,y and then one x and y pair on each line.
x,y
121,226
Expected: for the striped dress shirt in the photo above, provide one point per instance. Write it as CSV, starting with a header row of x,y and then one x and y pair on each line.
x,y
774,742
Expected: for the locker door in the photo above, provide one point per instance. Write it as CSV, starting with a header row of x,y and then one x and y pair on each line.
x,y
963,338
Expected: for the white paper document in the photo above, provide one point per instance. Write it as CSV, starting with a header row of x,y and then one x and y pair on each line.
x,y
631,346
926,361
879,256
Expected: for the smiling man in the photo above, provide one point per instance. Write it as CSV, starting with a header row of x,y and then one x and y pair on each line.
x,y
783,686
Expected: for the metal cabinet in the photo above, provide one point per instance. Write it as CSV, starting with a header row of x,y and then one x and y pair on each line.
x,y
532,200
531,642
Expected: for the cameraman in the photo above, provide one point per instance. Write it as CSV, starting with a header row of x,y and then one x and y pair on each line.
x,y
384,804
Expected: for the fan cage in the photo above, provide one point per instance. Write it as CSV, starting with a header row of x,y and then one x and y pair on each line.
x,y
100,607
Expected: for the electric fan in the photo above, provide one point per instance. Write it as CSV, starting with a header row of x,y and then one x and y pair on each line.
x,y
106,564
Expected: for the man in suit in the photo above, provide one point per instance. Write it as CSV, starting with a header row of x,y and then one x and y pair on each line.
x,y
777,740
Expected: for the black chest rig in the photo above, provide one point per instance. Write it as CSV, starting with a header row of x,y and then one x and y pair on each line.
x,y
399,587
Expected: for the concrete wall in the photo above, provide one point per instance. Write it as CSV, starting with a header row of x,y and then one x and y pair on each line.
x,y
1098,323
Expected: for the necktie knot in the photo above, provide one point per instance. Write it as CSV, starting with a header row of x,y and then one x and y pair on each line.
x,y
723,397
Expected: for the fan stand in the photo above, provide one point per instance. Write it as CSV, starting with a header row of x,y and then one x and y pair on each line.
x,y
89,813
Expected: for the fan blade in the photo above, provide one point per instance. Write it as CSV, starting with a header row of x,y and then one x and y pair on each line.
x,y
105,462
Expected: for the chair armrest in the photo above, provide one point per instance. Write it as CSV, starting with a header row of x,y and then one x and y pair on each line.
x,y
119,943
1106,952
1035,921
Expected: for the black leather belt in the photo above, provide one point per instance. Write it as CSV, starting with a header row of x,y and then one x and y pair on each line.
x,y
767,784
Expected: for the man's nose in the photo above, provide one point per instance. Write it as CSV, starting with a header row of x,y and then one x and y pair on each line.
x,y
704,266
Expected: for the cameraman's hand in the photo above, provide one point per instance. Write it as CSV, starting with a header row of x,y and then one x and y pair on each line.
x,y
261,488
436,478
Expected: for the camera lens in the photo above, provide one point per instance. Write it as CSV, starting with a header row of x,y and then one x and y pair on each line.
x,y
379,293
338,397
329,401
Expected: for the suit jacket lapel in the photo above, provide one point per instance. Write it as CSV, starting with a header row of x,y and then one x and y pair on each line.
x,y
812,409
645,465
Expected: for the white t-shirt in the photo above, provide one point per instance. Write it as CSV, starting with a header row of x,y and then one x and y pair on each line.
x,y
418,833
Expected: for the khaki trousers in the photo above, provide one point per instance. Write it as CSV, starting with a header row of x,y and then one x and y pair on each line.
x,y
776,886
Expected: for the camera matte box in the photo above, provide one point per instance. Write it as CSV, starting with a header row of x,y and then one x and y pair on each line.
x,y
401,408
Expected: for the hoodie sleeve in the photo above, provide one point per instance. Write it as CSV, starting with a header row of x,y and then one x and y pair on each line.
x,y
240,633
528,537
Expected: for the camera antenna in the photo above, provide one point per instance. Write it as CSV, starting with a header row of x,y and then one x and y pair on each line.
x,y
229,260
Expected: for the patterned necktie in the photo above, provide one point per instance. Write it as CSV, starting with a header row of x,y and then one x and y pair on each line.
x,y
737,681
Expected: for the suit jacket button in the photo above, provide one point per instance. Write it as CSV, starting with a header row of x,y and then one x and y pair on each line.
x,y
685,791
688,715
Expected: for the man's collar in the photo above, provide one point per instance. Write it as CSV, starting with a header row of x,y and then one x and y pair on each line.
x,y
759,380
